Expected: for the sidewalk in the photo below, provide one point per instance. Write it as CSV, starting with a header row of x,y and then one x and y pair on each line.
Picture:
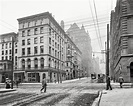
x,y
6,90
117,97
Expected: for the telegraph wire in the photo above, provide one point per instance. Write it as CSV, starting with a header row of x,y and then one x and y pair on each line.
x,y
97,21
84,20
94,24
9,28
70,21
8,23
87,25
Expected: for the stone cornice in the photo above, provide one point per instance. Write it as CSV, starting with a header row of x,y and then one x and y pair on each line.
x,y
33,17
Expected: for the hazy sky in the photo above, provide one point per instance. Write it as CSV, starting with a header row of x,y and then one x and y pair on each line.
x,y
78,11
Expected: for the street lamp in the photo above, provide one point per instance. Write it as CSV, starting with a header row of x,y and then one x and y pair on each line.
x,y
12,62
59,76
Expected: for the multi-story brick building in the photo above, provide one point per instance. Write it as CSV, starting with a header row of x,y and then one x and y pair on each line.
x,y
121,40
6,55
41,49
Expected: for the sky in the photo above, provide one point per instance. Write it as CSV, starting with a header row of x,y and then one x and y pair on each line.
x,y
93,14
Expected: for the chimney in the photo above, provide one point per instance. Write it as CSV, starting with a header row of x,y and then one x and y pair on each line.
x,y
62,24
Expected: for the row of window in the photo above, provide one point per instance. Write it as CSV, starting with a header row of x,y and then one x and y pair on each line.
x,y
55,44
9,58
8,45
35,50
35,41
51,62
34,23
51,51
40,29
36,31
55,53
10,52
35,63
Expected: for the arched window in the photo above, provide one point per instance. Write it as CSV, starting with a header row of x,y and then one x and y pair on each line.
x,y
36,63
49,62
23,64
52,62
42,62
28,63
55,64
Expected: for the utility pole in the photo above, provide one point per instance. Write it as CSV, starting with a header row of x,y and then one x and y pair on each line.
x,y
12,62
107,52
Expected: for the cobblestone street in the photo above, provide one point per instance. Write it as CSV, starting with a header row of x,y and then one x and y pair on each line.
x,y
63,94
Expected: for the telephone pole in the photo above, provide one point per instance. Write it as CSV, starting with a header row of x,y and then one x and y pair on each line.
x,y
107,52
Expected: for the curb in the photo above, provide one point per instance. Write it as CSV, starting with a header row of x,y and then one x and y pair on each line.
x,y
7,90
97,100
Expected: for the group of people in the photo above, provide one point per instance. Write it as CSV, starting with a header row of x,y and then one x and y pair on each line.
x,y
108,80
8,83
8,86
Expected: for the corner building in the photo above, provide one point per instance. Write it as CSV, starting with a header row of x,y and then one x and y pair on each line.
x,y
121,41
41,49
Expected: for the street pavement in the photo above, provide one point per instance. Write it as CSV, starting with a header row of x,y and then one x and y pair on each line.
x,y
60,94
117,96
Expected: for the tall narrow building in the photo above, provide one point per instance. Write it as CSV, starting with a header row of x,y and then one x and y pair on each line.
x,y
121,41
6,49
82,39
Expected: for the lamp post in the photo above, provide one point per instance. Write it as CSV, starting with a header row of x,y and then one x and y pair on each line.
x,y
12,62
59,76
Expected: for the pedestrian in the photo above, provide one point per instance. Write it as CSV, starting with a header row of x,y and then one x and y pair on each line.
x,y
44,85
108,83
17,82
7,83
121,80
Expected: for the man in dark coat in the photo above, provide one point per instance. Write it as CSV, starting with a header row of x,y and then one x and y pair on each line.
x,y
44,85
108,83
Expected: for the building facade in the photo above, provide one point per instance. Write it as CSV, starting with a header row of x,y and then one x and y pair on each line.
x,y
82,39
96,65
6,50
121,41
41,49
73,60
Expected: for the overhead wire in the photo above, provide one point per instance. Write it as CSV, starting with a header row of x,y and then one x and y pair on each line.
x,y
8,28
84,20
97,22
87,25
7,23
94,24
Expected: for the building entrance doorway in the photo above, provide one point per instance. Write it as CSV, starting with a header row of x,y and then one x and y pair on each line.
x,y
131,72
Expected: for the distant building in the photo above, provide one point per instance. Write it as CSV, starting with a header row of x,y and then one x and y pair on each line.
x,y
73,65
82,39
96,66
6,55
121,41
